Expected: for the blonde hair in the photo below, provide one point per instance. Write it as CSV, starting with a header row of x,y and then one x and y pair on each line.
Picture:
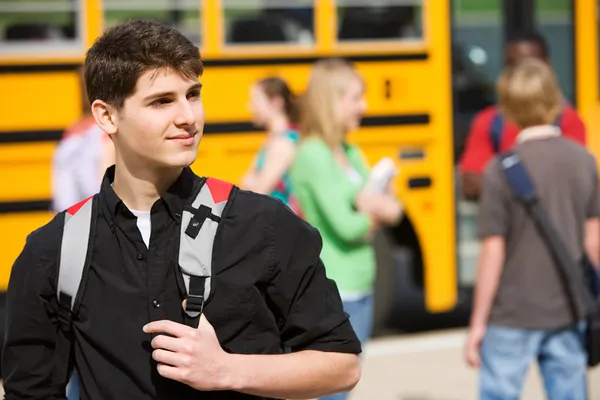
x,y
319,116
529,94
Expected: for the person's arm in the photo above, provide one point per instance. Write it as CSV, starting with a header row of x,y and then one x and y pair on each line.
x,y
592,241
493,226
308,309
314,174
278,159
384,207
478,151
312,321
247,180
592,224
303,375
31,325
195,357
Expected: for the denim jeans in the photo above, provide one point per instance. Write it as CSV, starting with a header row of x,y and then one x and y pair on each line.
x,y
361,319
506,354
73,387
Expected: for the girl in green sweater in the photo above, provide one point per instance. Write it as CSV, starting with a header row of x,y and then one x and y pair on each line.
x,y
328,176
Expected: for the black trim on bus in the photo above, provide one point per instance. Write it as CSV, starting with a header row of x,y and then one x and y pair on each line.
x,y
230,127
243,62
219,128
30,136
419,182
27,69
399,119
227,62
25,206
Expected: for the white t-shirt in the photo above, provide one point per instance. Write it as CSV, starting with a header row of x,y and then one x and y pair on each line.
x,y
144,224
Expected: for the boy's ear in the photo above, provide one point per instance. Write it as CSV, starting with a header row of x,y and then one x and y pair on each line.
x,y
105,116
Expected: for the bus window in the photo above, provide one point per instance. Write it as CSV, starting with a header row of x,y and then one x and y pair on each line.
x,y
390,20
34,26
269,21
182,14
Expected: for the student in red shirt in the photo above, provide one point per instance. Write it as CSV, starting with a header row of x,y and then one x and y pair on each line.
x,y
491,133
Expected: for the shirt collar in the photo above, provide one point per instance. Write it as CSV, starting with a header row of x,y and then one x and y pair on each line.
x,y
538,132
181,192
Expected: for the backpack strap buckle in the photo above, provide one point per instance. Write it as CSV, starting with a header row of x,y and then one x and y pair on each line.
x,y
194,303
65,318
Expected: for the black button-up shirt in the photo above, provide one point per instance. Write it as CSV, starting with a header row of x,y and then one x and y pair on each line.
x,y
269,295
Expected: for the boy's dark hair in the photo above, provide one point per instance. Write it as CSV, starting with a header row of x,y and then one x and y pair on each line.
x,y
530,37
123,53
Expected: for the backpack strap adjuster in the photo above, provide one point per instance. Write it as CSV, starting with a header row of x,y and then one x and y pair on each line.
x,y
64,314
199,215
194,303
65,318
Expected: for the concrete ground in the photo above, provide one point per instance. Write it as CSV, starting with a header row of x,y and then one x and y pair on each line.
x,y
432,367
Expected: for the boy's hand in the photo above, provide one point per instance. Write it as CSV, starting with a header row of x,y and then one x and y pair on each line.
x,y
473,346
191,356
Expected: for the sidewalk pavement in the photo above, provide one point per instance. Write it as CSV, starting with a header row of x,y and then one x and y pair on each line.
x,y
432,367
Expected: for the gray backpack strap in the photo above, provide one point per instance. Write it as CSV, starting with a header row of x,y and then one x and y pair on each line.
x,y
74,249
199,225
78,231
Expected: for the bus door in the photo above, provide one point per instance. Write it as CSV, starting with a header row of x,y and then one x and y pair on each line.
x,y
479,33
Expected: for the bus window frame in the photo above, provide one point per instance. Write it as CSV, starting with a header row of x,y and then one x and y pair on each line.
x,y
199,9
325,42
24,51
264,48
399,44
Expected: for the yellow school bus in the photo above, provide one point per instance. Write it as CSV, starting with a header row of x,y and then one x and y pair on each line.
x,y
426,72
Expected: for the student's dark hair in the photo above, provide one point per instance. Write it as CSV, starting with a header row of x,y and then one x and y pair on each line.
x,y
530,36
123,53
276,87
85,104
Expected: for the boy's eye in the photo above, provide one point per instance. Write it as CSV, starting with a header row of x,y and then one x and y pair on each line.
x,y
194,93
161,102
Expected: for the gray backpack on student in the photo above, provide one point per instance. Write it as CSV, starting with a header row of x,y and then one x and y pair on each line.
x,y
199,226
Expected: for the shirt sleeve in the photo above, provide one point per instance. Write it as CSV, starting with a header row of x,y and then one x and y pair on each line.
x,y
593,207
314,176
307,303
572,126
30,323
478,147
493,218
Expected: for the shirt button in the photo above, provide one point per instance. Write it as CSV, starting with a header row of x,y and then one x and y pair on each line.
x,y
140,256
156,304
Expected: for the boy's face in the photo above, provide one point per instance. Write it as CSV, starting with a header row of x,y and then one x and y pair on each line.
x,y
522,50
161,124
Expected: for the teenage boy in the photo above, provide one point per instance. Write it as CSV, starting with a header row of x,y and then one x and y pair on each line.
x,y
272,325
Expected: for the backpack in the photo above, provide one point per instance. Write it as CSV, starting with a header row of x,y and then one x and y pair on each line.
x,y
199,226
497,126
